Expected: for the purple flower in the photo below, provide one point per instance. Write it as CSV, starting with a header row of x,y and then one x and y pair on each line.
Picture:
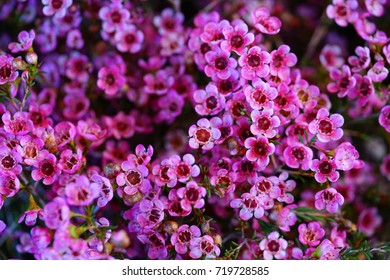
x,y
264,123
56,213
219,64
204,245
259,149
18,124
57,7
170,106
151,213
121,125
378,72
330,57
77,67
186,168
9,184
209,101
369,220
129,39
10,161
47,168
237,38
384,118
264,22
361,60
106,192
274,246
281,61
255,63
328,250
375,7
169,22
327,127
31,216
329,199
156,242
286,218
298,155
114,16
182,238
204,133
343,11
311,234
158,83
133,178
191,195
81,192
25,40
250,205
74,39
346,157
260,95
325,169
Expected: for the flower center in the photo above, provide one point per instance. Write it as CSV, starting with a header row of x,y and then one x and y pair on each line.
x,y
192,194
221,63
155,241
277,61
31,152
206,246
254,60
261,148
236,41
203,135
5,71
247,166
56,4
298,153
225,86
325,126
273,246
133,178
263,123
327,196
250,203
223,181
116,17
212,102
184,236
204,48
182,170
154,215
263,186
259,97
129,39
8,162
325,167
47,169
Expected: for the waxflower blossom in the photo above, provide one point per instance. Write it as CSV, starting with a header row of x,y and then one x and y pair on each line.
x,y
10,161
343,11
328,250
9,184
281,61
384,118
56,213
237,38
343,81
260,95
81,192
250,206
182,238
56,7
259,150
219,64
264,22
192,195
129,39
346,157
204,245
110,79
326,126
328,199
133,177
274,246
204,133
325,169
330,57
25,40
361,60
378,72
209,101
255,63
369,220
151,213
311,234
156,242
113,16
298,155
18,124
46,169
264,123
186,168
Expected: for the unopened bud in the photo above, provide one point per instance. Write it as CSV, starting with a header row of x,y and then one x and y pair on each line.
x,y
132,199
205,227
19,64
217,239
112,170
32,58
170,227
120,239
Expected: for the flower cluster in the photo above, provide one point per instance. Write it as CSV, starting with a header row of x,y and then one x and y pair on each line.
x,y
131,132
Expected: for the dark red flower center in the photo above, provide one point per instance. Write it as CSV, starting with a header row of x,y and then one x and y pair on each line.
x,y
192,194
236,41
263,186
325,167
184,236
203,135
277,60
154,215
273,246
261,148
259,97
263,123
130,38
254,60
211,102
8,162
204,48
5,71
206,246
47,168
56,4
325,126
251,203
247,166
134,178
221,63
182,170
299,153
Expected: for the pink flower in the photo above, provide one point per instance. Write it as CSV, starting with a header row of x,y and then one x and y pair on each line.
x,y
266,190
151,213
346,157
286,218
224,181
192,195
56,213
182,238
25,40
274,246
343,11
9,185
164,174
328,250
10,161
30,149
285,187
361,60
113,16
260,95
298,155
156,242
186,168
378,72
169,22
384,118
259,149
18,124
237,38
264,123
71,162
369,220
204,246
330,57
375,7
327,127
77,67
311,234
47,168
219,64
133,177
110,79
264,22
204,133
81,192
74,39
281,61
174,205
212,31
325,169
209,101
343,81
329,199
65,133
121,125
105,189
56,7
129,39
170,106
250,205
159,83
31,216
255,63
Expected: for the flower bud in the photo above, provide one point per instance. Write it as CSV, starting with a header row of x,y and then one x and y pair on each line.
x,y
132,199
120,239
19,64
217,239
112,170
32,58
170,227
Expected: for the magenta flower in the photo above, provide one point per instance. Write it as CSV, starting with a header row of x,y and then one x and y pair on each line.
x,y
156,242
106,192
264,22
209,101
114,16
25,40
375,7
186,168
255,63
298,156
10,161
71,162
129,39
192,195
311,234
237,38
169,22
281,61
174,205
250,206
121,125
384,118
47,168
266,190
18,124
110,79
219,64
369,220
327,127
56,213
361,60
30,149
81,192
182,238
30,216
346,157
78,67
286,218
133,178
76,106
328,199
343,81
274,246
8,72
151,213
324,169
343,11
9,185
378,72
164,174
259,150
330,57
170,106
74,39
265,123
56,7
260,95
204,133
158,83
204,246
285,187
328,250
224,181
212,31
